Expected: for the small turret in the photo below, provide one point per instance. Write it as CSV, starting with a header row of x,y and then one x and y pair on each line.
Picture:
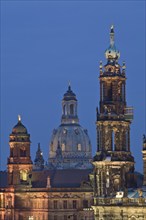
x,y
39,160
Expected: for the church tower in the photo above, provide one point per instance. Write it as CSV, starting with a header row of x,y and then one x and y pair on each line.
x,y
113,161
19,162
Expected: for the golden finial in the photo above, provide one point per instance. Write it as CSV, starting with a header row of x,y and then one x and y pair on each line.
x,y
19,118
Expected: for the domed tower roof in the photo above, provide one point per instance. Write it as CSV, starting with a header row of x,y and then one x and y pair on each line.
x,y
70,145
19,128
19,132
69,95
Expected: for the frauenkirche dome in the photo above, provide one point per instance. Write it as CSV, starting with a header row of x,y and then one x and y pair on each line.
x,y
70,145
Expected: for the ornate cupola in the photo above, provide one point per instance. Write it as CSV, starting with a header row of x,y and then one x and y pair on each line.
x,y
70,145
144,159
19,161
113,161
69,107
112,54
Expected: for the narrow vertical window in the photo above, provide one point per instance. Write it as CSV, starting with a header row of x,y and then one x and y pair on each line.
x,y
65,204
72,109
98,139
85,203
113,140
102,92
11,152
127,141
74,204
123,92
79,147
63,147
55,204
64,110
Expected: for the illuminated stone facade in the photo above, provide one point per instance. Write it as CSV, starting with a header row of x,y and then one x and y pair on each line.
x,y
115,193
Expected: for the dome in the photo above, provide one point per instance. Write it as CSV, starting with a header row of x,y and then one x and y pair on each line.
x,y
69,95
73,141
70,145
19,128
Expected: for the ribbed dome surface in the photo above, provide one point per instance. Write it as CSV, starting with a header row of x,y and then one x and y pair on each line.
x,y
73,140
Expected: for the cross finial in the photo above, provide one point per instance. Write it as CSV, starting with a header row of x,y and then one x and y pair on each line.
x,y
69,85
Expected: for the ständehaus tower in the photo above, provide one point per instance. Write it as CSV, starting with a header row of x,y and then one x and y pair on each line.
x,y
114,164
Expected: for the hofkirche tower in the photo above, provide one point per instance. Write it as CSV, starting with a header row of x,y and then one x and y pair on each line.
x,y
113,162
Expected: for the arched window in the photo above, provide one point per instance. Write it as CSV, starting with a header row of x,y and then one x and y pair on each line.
x,y
85,203
109,92
11,152
79,147
72,109
63,147
23,175
22,152
102,91
123,92
64,110
113,140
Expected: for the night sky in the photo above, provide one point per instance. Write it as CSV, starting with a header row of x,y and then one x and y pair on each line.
x,y
46,44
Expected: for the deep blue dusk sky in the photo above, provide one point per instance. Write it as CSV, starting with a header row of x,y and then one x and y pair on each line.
x,y
45,44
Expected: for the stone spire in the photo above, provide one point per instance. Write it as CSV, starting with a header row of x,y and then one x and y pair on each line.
x,y
39,160
112,35
112,54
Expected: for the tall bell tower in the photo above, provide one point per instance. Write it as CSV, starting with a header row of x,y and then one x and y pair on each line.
x,y
19,162
113,160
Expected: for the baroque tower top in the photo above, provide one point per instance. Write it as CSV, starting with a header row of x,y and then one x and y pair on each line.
x,y
113,158
112,54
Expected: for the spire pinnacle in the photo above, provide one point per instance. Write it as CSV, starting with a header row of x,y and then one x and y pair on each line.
x,y
112,35
19,118
69,85
112,28
39,148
